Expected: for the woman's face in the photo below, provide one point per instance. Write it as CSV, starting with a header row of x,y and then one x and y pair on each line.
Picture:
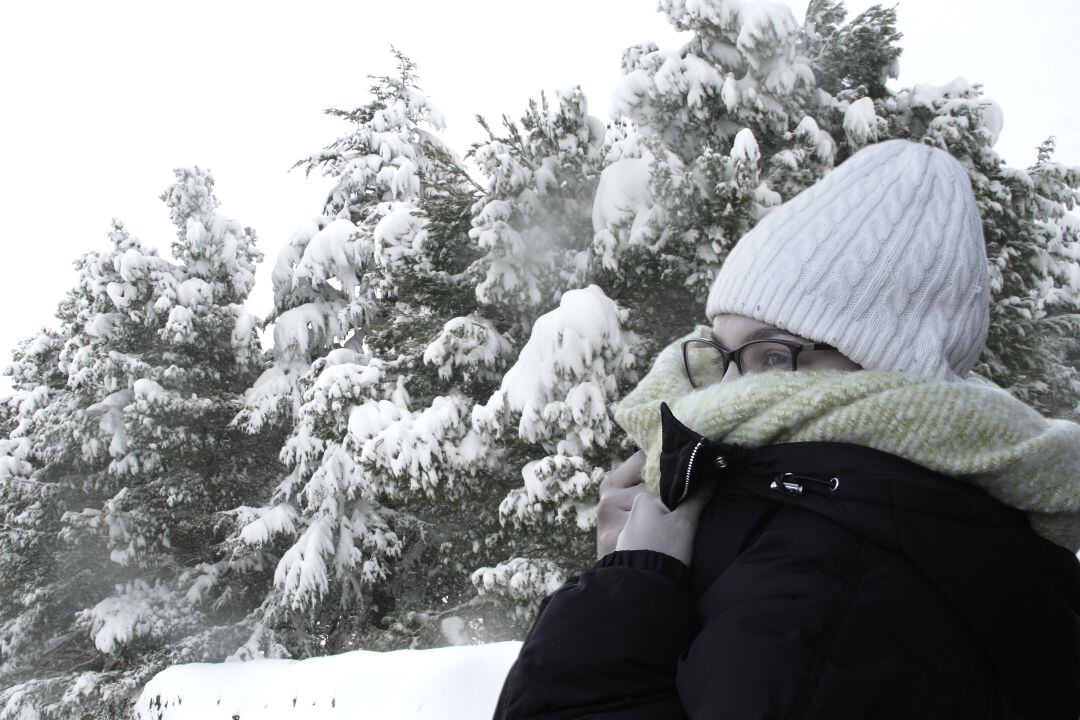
x,y
731,331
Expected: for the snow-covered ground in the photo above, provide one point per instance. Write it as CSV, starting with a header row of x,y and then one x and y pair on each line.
x,y
451,683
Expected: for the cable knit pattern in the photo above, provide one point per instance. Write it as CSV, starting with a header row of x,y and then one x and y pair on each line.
x,y
884,259
971,430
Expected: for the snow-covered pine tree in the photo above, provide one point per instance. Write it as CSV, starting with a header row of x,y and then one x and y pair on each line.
x,y
119,462
1058,359
751,111
548,421
34,590
542,175
345,328
754,108
542,427
392,495
708,119
552,415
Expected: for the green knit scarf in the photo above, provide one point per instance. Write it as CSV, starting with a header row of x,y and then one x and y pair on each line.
x,y
971,430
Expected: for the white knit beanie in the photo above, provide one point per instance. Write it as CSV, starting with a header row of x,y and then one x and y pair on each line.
x,y
884,259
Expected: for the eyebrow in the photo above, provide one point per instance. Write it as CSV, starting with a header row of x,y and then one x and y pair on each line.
x,y
762,333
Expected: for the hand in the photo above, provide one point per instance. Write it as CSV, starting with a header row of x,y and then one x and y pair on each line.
x,y
651,526
617,493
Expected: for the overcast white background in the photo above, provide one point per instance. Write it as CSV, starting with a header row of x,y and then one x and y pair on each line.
x,y
101,100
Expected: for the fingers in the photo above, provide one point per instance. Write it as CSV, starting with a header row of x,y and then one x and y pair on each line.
x,y
617,494
647,501
626,475
645,511
608,529
632,517
606,541
622,498
651,526
611,514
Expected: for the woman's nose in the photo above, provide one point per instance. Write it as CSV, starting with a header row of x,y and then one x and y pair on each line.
x,y
732,373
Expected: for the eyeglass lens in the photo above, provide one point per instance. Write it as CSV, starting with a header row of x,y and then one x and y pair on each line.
x,y
706,365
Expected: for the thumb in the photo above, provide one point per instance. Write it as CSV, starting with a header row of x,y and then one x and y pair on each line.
x,y
695,504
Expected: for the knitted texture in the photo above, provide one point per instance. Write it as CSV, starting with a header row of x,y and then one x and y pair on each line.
x,y
884,259
973,431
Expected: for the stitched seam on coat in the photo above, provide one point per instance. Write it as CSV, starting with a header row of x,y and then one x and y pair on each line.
x,y
808,697
901,544
760,526
897,532
961,698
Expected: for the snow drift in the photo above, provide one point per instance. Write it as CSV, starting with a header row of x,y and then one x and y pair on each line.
x,y
450,683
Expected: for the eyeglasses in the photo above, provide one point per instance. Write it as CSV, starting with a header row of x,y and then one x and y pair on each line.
x,y
707,362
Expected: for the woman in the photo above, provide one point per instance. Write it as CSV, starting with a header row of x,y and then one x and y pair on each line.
x,y
830,517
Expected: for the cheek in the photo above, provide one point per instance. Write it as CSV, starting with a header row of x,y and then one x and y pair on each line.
x,y
826,361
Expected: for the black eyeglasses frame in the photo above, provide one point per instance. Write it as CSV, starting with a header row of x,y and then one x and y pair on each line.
x,y
736,354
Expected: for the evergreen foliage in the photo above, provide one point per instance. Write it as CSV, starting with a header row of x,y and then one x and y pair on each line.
x,y
117,461
397,455
755,107
416,461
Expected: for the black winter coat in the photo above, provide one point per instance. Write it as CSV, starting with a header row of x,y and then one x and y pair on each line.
x,y
829,580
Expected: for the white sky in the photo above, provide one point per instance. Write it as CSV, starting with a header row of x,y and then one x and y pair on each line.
x,y
102,100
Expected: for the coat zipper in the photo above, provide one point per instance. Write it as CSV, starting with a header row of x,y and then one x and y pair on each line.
x,y
689,467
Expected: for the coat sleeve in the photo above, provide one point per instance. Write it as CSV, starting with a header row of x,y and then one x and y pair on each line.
x,y
606,644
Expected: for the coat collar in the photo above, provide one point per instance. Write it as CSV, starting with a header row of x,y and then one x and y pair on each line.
x,y
828,477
